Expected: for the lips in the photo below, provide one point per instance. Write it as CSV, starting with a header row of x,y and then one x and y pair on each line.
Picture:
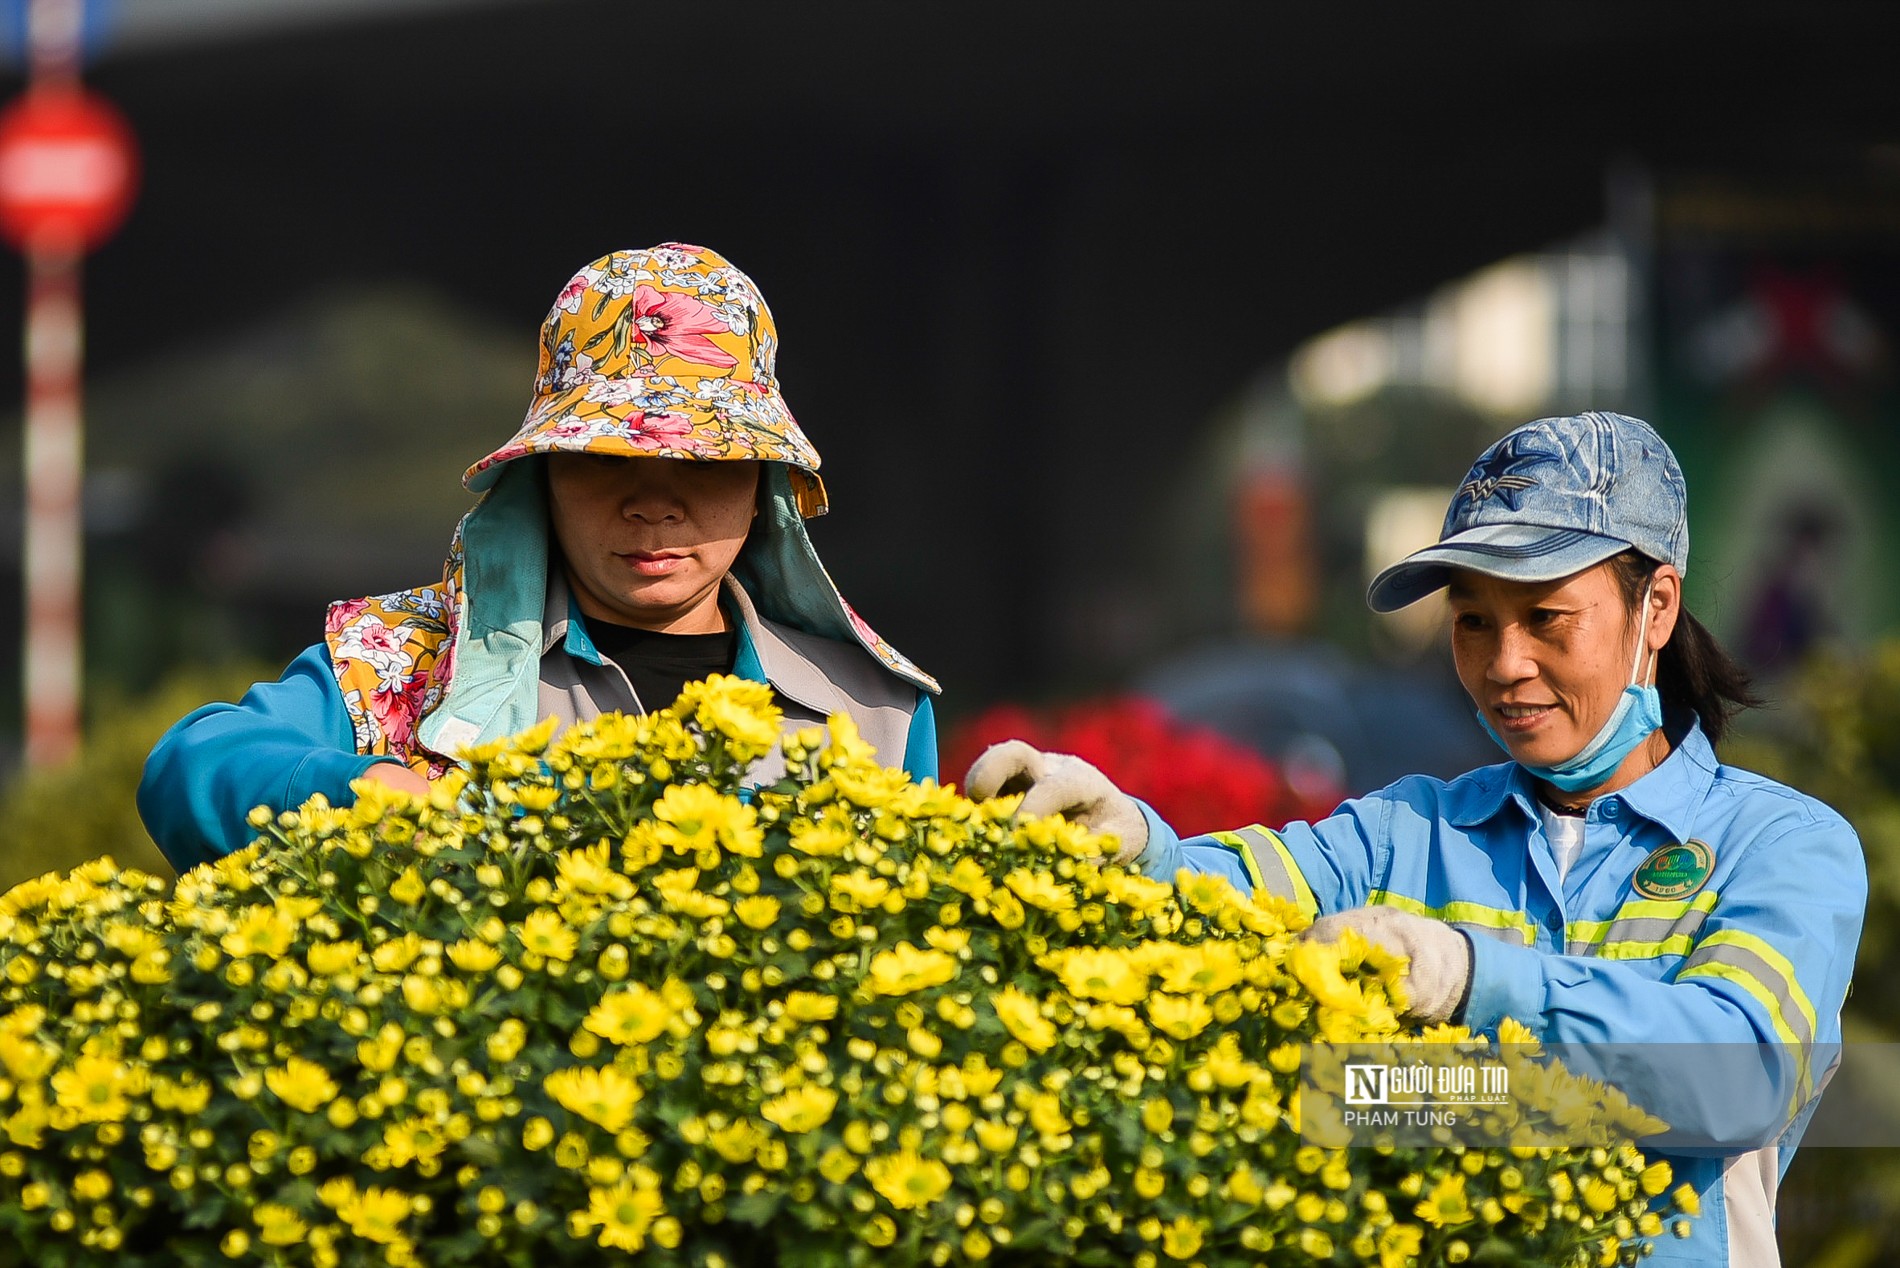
x,y
1521,717
653,563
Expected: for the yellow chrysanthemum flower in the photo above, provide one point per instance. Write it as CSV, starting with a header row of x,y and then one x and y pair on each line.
x,y
1182,1238
1207,969
26,1059
738,1141
302,1085
907,1180
279,1225
805,1109
906,969
1512,1032
702,816
96,1087
857,891
810,1006
1108,975
397,954
1040,889
605,1097
869,787
624,1214
1022,1016
1182,1016
259,931
1446,1203
1399,1245
327,959
1137,893
759,911
1207,891
374,1214
830,833
589,870
412,1139
738,708
845,748
473,956
544,933
632,1014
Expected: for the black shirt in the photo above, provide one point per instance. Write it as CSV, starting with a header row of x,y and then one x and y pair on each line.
x,y
658,665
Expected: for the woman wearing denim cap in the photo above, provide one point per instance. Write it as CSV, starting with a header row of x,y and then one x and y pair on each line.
x,y
643,529
1613,884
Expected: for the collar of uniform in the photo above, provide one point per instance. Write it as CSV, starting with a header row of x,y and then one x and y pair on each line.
x,y
1672,794
562,622
1478,796
778,662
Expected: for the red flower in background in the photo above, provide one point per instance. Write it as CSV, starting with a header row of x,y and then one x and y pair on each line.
x,y
1195,778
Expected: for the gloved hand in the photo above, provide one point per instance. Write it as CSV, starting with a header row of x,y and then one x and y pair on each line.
x,y
1439,974
1060,784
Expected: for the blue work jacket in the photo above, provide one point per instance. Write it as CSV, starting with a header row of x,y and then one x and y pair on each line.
x,y
1760,954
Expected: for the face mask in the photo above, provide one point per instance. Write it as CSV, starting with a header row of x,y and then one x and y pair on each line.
x,y
1638,712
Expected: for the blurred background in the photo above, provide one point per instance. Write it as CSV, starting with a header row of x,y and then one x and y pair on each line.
x,y
1134,344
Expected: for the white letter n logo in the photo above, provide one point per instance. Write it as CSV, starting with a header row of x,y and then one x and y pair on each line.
x,y
1365,1085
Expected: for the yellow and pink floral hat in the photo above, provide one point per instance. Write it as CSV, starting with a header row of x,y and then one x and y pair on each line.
x,y
668,352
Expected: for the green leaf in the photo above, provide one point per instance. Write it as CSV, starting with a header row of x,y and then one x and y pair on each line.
x,y
1033,1235
754,1208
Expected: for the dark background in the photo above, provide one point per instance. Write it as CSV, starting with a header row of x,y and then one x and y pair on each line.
x,y
1018,253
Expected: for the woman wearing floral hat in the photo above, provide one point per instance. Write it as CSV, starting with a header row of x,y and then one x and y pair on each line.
x,y
1684,927
643,529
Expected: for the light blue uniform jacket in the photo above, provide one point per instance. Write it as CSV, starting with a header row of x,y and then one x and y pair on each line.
x,y
1760,955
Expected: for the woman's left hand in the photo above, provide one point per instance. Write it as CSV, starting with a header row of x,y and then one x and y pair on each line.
x,y
1440,956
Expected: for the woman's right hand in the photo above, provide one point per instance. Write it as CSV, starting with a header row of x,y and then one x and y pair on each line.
x,y
1060,784
397,776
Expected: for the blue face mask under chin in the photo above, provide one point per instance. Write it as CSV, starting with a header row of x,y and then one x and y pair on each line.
x,y
1638,712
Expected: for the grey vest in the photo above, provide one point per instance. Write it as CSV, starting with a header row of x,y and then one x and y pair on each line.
x,y
813,677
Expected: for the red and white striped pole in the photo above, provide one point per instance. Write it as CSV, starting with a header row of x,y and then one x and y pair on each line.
x,y
54,541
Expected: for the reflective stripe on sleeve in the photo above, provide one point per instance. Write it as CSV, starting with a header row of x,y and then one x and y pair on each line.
x,y
1642,929
1766,974
1493,922
1768,968
1270,866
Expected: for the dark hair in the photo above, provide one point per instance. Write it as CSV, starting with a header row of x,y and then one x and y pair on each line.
x,y
1692,670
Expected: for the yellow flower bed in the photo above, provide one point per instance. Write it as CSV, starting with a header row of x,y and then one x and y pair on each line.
x,y
585,1003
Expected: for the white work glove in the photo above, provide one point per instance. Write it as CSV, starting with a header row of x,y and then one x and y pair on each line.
x,y
1440,956
1060,784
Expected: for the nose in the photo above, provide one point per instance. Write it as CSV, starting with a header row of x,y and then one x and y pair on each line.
x,y
1510,660
651,501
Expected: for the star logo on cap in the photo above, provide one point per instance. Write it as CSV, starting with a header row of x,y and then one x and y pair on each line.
x,y
1501,475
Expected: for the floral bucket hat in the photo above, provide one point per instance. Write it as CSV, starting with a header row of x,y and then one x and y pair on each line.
x,y
668,352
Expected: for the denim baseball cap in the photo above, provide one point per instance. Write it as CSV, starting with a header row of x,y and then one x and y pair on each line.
x,y
1552,498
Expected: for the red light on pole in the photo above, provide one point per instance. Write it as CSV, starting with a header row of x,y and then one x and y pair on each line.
x,y
68,173
68,170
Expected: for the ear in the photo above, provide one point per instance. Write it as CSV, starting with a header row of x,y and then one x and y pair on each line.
x,y
1665,605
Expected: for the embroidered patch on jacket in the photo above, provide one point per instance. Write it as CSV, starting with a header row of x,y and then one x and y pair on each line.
x,y
1675,871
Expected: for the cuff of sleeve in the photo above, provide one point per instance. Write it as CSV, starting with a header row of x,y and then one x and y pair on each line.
x,y
1506,981
1161,858
327,771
